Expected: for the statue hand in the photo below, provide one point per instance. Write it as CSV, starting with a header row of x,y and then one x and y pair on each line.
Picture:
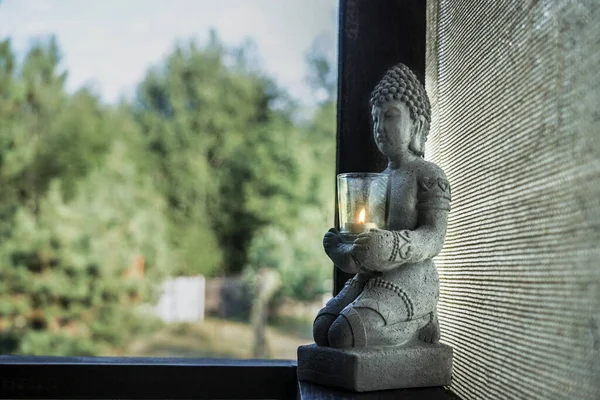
x,y
331,241
340,252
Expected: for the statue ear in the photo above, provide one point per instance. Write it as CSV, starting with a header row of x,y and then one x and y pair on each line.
x,y
417,141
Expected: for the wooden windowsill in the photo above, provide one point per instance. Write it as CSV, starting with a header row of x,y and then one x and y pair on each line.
x,y
25,377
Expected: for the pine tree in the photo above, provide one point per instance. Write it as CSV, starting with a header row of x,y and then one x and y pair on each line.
x,y
79,221
224,157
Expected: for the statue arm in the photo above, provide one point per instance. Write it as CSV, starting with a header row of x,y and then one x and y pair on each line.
x,y
422,243
382,250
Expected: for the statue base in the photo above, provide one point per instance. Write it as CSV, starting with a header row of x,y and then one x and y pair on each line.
x,y
376,368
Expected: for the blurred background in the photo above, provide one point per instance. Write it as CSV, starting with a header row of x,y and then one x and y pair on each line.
x,y
166,175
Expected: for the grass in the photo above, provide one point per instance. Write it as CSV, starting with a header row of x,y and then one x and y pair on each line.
x,y
215,337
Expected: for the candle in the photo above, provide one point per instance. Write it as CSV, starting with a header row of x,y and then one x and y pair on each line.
x,y
362,203
360,225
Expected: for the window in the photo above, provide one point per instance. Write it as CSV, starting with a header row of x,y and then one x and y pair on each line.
x,y
171,206
63,377
514,89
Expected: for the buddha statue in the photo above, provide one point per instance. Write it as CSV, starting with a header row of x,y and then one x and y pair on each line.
x,y
392,298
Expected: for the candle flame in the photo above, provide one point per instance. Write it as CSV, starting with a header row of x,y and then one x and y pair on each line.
x,y
361,216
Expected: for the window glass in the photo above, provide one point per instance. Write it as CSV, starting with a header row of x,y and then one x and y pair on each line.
x,y
166,173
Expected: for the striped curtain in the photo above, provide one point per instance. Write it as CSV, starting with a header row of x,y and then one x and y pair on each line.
x,y
515,91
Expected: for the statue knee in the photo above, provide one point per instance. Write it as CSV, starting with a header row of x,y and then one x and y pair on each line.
x,y
340,334
321,328
349,329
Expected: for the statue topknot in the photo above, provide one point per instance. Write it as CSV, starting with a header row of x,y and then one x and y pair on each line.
x,y
400,83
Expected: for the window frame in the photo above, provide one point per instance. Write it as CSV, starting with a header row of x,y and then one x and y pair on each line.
x,y
373,36
34,377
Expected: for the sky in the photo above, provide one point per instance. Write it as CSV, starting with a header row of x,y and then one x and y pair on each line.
x,y
139,33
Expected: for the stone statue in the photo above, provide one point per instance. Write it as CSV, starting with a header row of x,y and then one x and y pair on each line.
x,y
392,299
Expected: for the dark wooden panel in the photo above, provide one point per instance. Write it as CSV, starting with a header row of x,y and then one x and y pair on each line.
x,y
373,36
310,391
145,378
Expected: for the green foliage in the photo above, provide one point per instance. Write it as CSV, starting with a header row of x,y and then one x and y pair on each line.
x,y
205,172
76,214
224,157
73,258
291,244
297,256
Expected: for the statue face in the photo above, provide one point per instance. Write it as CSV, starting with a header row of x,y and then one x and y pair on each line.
x,y
393,127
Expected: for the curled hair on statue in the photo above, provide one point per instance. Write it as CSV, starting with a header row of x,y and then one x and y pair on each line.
x,y
400,83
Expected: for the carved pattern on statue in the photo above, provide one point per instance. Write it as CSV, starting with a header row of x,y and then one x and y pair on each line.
x,y
402,245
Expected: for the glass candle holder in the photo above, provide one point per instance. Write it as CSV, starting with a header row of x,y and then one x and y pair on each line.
x,y
362,201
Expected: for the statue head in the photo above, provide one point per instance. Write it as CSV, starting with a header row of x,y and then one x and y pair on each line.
x,y
401,92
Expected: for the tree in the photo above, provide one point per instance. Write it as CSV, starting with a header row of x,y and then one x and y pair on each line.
x,y
295,252
206,172
218,146
77,215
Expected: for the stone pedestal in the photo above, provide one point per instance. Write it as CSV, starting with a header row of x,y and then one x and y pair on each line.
x,y
376,368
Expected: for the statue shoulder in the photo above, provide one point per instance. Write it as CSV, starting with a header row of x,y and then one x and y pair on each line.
x,y
427,169
433,186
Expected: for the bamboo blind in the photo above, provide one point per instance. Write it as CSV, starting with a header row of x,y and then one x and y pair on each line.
x,y
514,86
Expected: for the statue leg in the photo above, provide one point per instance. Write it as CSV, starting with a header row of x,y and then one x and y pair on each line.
x,y
330,312
382,315
430,333
352,327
